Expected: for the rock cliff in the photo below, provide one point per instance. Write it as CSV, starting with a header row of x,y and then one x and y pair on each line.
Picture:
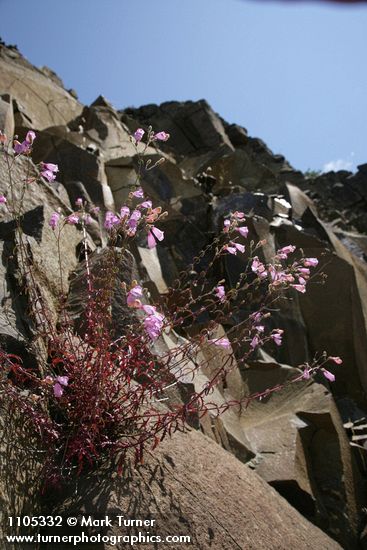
x,y
294,463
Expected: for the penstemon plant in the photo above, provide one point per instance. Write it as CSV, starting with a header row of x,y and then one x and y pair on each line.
x,y
98,394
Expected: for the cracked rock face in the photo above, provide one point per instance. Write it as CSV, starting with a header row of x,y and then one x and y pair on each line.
x,y
294,440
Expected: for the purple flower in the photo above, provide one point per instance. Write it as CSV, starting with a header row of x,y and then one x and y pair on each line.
x,y
328,375
220,293
139,193
133,296
58,390
306,373
110,220
243,231
255,342
277,335
138,135
25,147
232,248
54,220
227,225
30,137
161,136
154,235
63,380
48,171
124,212
132,223
258,268
257,316
2,199
221,342
73,219
58,386
153,323
145,204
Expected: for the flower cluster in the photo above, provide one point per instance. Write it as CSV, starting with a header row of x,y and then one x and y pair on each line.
x,y
296,276
154,321
232,225
142,216
81,217
159,136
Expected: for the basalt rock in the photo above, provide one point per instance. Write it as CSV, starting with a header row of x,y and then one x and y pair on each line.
x,y
184,488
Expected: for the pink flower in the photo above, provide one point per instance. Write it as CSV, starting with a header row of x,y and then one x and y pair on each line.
x,y
133,296
279,277
226,225
124,212
48,171
145,204
257,316
133,222
328,375
53,168
79,202
30,137
54,220
58,390
277,336
139,193
232,248
282,253
26,145
306,373
220,293
154,234
63,380
310,262
58,386
336,360
221,342
73,219
238,215
299,288
2,199
153,323
110,220
255,342
161,136
258,268
138,135
243,231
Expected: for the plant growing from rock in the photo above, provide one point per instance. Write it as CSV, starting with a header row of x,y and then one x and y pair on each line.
x,y
95,393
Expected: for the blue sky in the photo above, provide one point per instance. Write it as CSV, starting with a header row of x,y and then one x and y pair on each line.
x,y
294,74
